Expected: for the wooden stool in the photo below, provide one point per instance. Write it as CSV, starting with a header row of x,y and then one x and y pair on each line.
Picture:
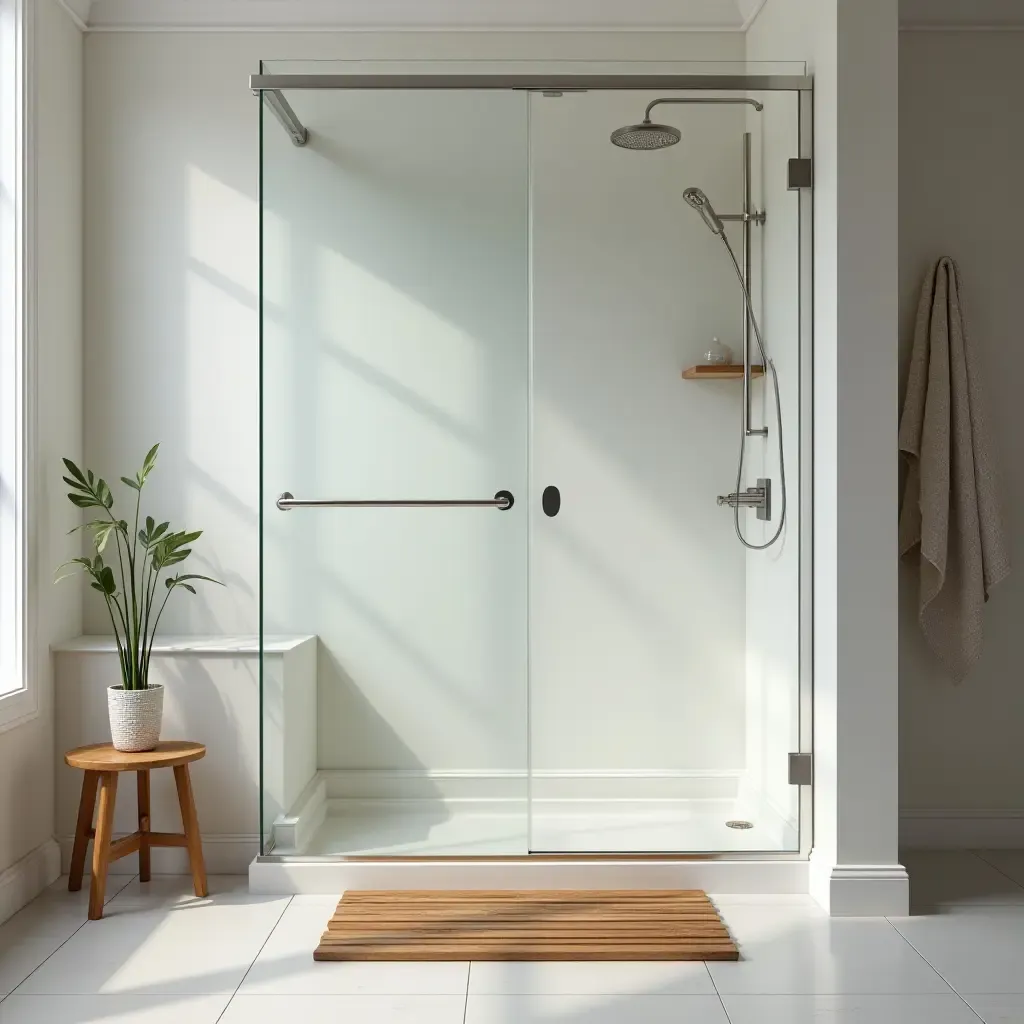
x,y
102,763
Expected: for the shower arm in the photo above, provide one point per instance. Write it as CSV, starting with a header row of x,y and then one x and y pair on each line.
x,y
701,100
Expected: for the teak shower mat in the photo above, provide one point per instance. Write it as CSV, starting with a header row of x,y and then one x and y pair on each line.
x,y
546,925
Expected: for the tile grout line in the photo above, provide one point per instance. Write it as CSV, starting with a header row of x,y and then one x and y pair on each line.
x,y
933,967
67,940
995,867
241,980
721,1001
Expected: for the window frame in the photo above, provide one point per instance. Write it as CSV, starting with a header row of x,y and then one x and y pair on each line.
x,y
19,696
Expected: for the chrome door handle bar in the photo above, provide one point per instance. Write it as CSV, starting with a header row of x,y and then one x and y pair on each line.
x,y
502,501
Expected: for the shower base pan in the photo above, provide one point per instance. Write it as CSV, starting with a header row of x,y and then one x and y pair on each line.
x,y
399,844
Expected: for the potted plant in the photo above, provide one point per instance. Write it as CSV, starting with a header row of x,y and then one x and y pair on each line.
x,y
131,590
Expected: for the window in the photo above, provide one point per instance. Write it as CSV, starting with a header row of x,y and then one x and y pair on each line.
x,y
17,695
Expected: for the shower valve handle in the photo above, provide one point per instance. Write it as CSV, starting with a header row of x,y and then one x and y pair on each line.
x,y
752,497
759,498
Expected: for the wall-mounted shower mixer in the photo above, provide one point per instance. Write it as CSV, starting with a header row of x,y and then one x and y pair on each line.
x,y
759,498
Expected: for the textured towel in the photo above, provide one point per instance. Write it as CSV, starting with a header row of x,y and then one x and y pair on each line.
x,y
950,518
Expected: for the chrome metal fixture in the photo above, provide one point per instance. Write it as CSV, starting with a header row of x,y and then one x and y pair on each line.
x,y
645,136
759,497
700,202
502,501
282,110
649,136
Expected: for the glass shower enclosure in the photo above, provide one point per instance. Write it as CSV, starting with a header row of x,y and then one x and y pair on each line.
x,y
504,612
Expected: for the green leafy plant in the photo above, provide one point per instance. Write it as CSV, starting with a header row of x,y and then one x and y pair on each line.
x,y
132,594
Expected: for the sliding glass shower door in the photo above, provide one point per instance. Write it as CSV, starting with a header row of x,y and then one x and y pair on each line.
x,y
395,372
665,658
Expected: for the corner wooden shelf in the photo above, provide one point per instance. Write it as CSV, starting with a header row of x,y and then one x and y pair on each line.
x,y
731,371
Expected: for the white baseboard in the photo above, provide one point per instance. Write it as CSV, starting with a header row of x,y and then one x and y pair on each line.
x,y
859,890
962,828
25,879
222,854
294,830
512,784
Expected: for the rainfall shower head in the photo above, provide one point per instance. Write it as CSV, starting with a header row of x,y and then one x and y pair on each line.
x,y
700,202
645,136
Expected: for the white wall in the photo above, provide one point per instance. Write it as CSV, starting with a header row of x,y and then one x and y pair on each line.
x,y
961,162
171,269
636,612
171,324
26,751
396,352
213,697
851,50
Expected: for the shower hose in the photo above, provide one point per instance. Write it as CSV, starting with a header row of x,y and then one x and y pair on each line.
x,y
778,418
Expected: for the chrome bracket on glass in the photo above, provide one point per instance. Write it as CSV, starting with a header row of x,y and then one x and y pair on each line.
x,y
282,110
502,501
801,769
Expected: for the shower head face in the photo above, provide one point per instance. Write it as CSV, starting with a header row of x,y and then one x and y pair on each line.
x,y
645,136
696,198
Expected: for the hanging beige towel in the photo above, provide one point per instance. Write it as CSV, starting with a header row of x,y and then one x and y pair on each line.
x,y
950,517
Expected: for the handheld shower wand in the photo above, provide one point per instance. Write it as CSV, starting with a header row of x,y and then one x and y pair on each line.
x,y
700,202
696,198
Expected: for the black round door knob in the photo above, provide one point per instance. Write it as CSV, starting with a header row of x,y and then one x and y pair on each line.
x,y
551,501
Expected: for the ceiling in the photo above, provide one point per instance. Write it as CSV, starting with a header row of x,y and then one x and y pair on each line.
x,y
496,15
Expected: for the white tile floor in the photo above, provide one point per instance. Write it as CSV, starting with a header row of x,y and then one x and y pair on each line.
x,y
160,956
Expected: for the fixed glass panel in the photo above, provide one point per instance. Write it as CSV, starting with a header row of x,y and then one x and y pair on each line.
x,y
664,654
395,367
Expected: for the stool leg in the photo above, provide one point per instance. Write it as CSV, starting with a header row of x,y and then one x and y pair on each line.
x,y
86,806
144,825
101,843
191,824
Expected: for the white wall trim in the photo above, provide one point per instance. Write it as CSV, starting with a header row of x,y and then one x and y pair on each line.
x,y
225,854
314,28
491,784
859,890
19,462
25,879
962,828
231,645
77,11
407,16
755,10
295,829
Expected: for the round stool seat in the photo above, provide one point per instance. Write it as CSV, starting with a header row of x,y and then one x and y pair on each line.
x,y
102,757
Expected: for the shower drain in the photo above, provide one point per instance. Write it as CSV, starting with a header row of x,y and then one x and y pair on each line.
x,y
735,823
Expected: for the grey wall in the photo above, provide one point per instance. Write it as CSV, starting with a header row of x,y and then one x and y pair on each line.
x,y
961,168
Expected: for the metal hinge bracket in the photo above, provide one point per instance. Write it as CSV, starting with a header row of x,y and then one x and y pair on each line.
x,y
801,173
801,769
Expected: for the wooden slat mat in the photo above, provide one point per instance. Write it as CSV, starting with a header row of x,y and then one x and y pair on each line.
x,y
550,925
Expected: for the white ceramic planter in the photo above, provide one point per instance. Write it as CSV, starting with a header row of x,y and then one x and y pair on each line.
x,y
135,717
